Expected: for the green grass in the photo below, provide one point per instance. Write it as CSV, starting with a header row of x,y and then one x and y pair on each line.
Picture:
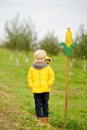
x,y
16,99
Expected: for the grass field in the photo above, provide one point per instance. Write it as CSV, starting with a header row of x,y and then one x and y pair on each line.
x,y
16,100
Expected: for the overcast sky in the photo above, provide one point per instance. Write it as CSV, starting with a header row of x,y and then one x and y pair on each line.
x,y
47,15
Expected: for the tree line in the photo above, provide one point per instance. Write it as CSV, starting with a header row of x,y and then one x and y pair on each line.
x,y
21,35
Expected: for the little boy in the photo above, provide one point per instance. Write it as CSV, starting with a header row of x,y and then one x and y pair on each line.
x,y
40,80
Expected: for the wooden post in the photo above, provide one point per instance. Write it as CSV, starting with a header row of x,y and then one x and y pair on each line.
x,y
67,82
68,50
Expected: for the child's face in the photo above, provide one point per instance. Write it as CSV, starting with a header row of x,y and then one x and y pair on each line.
x,y
39,60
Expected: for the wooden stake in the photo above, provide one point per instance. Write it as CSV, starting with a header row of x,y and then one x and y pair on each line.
x,y
67,82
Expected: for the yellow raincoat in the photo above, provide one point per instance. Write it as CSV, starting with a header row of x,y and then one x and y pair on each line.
x,y
40,80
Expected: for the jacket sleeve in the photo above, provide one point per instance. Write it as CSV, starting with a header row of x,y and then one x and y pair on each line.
x,y
51,77
30,80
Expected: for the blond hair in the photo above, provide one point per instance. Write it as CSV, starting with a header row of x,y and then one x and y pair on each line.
x,y
40,52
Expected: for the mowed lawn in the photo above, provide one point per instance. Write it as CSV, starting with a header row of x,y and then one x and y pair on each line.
x,y
16,100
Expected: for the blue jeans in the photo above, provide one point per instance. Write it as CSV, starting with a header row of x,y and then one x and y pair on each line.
x,y
41,104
